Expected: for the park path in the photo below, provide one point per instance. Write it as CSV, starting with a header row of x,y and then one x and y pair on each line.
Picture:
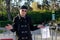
x,y
36,35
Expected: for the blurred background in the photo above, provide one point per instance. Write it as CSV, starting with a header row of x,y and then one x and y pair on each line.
x,y
39,10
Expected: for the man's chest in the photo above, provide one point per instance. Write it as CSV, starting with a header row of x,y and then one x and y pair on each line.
x,y
23,24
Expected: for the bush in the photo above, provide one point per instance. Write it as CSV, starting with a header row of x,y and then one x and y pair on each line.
x,y
1,31
38,17
4,23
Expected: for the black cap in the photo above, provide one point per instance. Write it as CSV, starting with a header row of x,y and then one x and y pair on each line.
x,y
23,7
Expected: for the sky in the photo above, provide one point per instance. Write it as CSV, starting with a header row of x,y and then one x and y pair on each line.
x,y
39,1
23,1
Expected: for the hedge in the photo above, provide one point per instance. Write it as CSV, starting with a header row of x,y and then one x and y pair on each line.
x,y
4,23
37,17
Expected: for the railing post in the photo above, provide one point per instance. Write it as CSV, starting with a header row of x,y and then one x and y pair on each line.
x,y
56,33
51,34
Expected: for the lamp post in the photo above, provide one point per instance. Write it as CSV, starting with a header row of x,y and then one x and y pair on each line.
x,y
53,15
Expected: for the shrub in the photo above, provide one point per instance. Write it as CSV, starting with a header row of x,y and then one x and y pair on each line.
x,y
4,23
38,17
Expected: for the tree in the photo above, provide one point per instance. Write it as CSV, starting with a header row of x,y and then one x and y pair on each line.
x,y
45,2
8,9
1,1
2,10
53,6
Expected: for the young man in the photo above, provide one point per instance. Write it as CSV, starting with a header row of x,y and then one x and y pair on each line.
x,y
22,25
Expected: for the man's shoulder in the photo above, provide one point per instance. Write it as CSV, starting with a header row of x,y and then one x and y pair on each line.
x,y
16,17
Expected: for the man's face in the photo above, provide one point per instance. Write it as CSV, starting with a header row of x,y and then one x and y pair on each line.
x,y
23,12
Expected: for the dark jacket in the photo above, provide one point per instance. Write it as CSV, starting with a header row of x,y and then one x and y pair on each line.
x,y
23,26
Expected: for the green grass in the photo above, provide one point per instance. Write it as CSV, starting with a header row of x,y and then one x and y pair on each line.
x,y
1,31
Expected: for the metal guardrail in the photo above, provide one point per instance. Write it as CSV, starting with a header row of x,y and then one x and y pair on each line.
x,y
7,35
55,35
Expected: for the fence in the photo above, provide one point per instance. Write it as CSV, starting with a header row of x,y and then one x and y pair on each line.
x,y
6,34
36,35
54,34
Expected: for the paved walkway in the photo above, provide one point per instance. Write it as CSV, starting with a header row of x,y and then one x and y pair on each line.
x,y
36,35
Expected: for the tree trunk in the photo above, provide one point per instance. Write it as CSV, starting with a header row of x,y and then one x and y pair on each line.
x,y
8,9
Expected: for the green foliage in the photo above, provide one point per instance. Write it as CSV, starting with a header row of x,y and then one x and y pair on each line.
x,y
3,12
58,16
1,31
4,23
38,17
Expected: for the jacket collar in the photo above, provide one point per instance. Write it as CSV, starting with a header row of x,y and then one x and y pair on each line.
x,y
21,17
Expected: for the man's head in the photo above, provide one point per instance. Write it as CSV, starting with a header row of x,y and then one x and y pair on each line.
x,y
23,10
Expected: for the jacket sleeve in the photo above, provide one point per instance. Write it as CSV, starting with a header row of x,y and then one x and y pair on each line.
x,y
14,25
32,28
